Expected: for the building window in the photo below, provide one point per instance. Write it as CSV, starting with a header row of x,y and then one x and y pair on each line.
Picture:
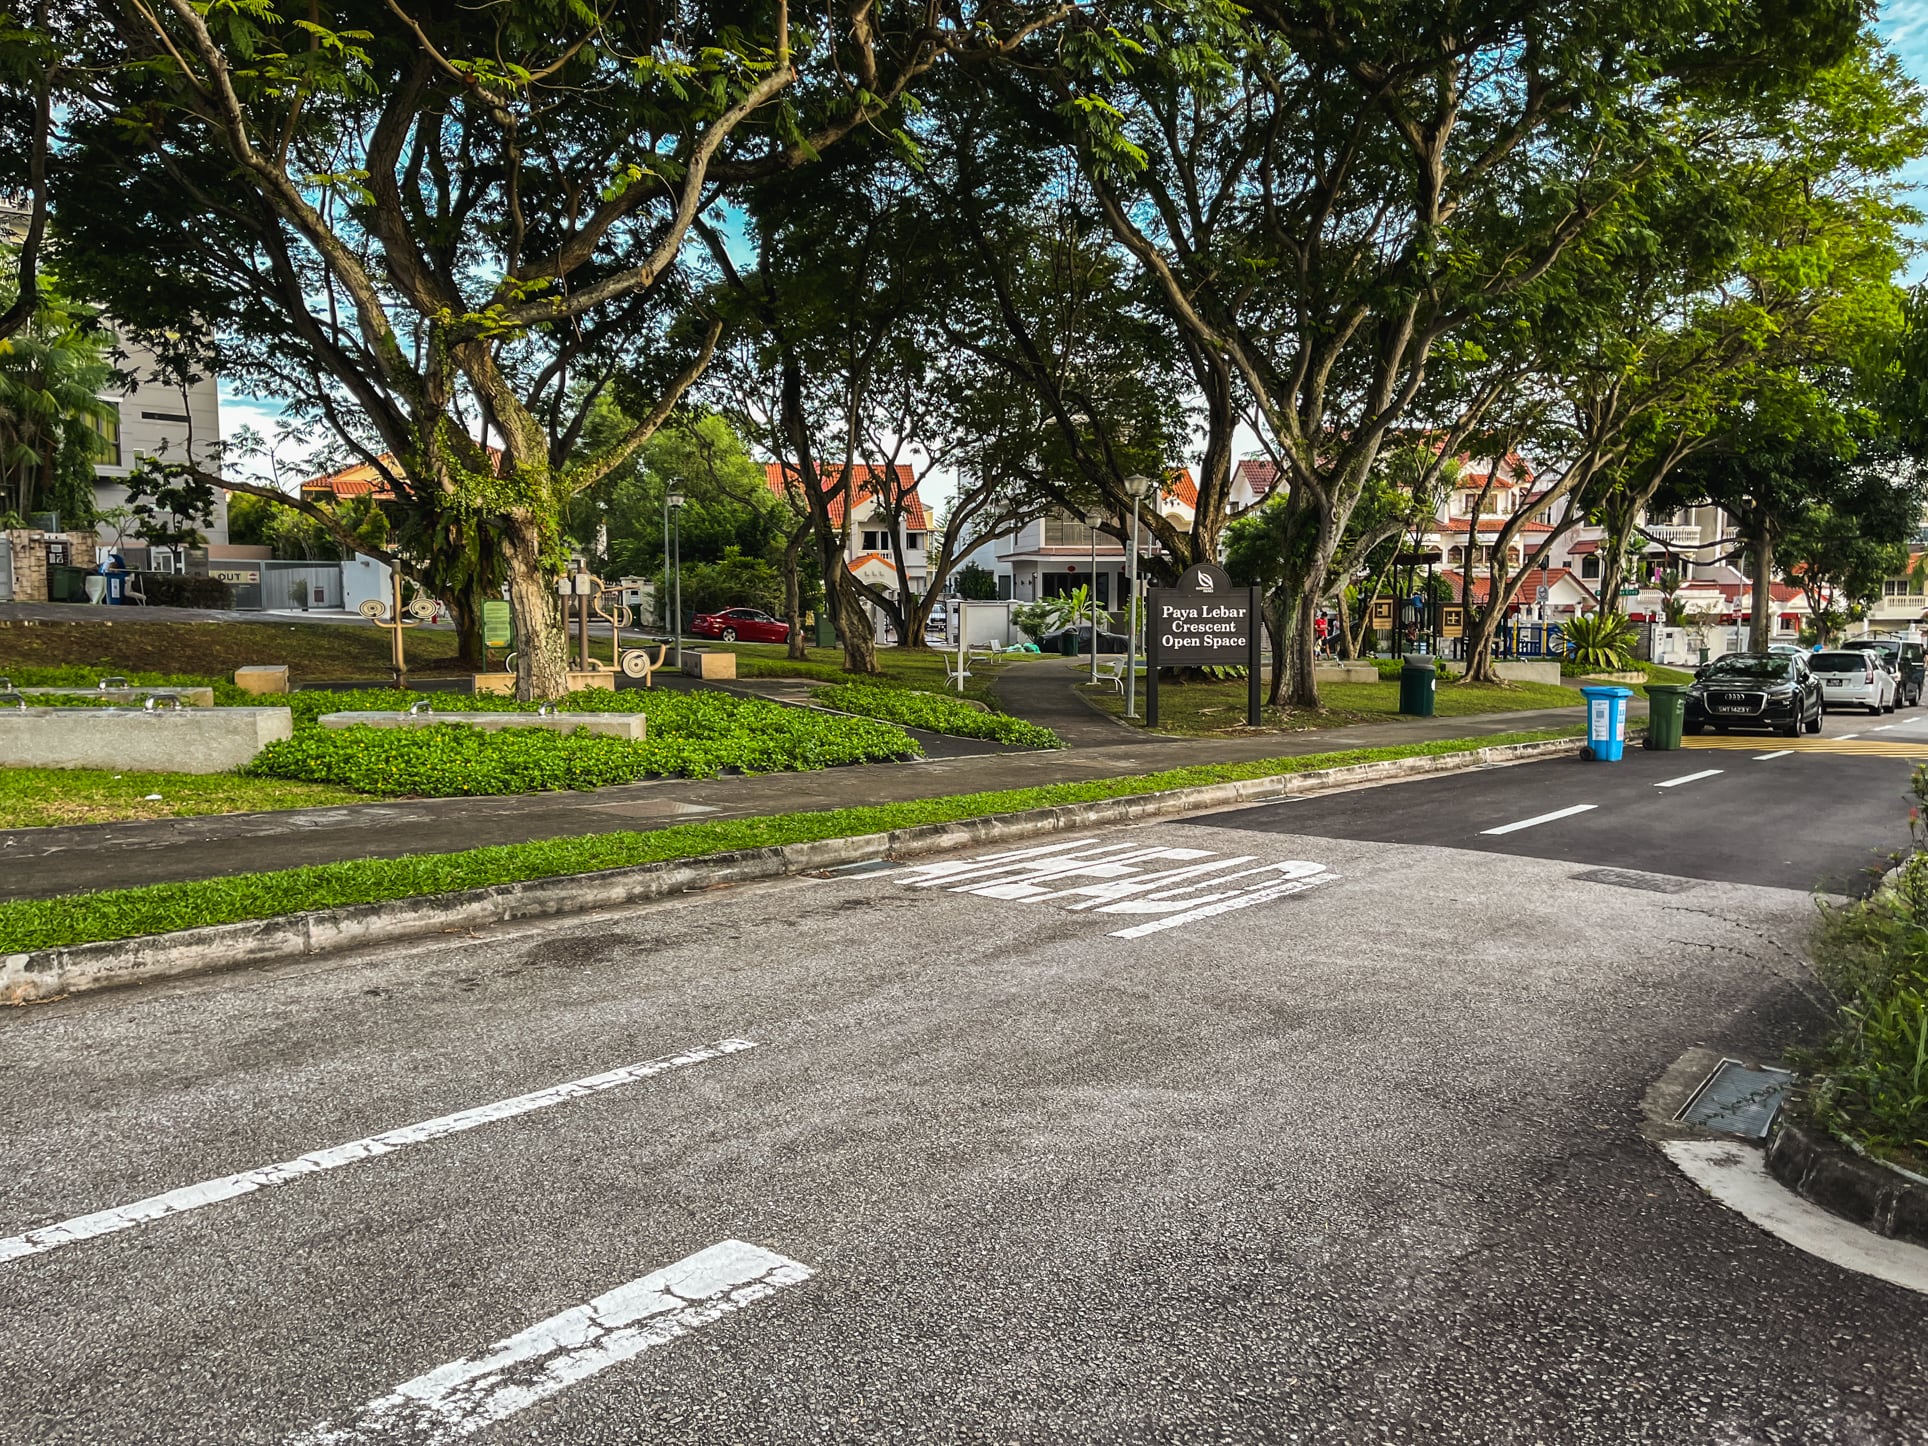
x,y
873,542
1063,530
107,425
914,542
1900,587
1590,567
1488,506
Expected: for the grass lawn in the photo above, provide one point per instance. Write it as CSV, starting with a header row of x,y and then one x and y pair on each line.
x,y
314,652
47,797
920,668
159,908
1198,708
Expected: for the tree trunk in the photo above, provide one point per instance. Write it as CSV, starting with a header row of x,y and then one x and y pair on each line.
x,y
541,641
1347,651
854,628
799,646
466,609
1760,629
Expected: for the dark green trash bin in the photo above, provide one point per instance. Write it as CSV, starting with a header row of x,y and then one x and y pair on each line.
x,y
826,632
1416,682
66,583
1068,642
1666,711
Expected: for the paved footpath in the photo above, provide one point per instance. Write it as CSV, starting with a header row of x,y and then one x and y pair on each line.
x,y
1251,1128
39,862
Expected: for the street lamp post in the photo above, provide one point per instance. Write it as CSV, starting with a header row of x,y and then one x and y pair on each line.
x,y
1096,518
673,503
1138,488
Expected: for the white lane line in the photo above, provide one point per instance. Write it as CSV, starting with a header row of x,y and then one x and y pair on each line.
x,y
212,1192
1538,819
1883,728
1691,777
1777,753
464,1396
1844,737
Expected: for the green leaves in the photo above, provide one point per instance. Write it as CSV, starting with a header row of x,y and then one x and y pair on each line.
x,y
691,735
935,713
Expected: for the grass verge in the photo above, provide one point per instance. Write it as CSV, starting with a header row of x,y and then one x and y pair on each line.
x,y
1201,709
161,908
51,797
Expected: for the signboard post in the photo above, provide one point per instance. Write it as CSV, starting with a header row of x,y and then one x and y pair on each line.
x,y
1204,622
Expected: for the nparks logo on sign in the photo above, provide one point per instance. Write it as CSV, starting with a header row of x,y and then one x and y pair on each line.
x,y
1203,622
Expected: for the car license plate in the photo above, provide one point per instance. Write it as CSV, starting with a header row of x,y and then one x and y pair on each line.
x,y
1837,682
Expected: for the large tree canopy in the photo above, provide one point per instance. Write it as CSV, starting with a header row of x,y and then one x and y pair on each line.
x,y
447,230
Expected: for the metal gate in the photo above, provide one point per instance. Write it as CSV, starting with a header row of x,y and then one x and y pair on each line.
x,y
298,586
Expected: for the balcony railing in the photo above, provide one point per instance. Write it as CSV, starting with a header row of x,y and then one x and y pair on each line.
x,y
1666,532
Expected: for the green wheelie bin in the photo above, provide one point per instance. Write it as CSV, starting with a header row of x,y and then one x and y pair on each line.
x,y
1666,711
1417,680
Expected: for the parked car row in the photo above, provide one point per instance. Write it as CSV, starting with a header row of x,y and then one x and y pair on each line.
x,y
1788,690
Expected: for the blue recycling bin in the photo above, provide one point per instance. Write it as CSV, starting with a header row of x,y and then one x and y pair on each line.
x,y
1606,722
116,587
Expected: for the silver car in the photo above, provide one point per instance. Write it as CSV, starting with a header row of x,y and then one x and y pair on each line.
x,y
1854,678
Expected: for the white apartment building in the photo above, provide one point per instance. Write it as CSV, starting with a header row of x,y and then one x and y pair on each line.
x,y
156,419
1054,554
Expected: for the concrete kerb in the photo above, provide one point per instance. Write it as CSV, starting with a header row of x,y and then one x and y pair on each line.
x,y
50,973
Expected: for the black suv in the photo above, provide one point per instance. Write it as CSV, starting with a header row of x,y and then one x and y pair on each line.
x,y
1754,690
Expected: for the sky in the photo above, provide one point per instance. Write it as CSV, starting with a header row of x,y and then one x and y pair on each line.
x,y
1903,23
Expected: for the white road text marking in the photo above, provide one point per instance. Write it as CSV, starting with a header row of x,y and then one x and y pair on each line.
x,y
464,1396
1083,875
211,1192
1777,753
1541,818
1691,778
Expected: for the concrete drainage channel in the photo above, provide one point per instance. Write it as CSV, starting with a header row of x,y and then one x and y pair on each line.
x,y
26,978
1721,1122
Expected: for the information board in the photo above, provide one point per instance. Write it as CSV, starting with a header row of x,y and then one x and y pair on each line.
x,y
1204,622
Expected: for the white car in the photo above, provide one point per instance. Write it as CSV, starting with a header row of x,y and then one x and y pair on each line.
x,y
1851,678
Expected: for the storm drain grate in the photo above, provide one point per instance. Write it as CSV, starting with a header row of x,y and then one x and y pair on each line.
x,y
1737,1100
864,866
1634,879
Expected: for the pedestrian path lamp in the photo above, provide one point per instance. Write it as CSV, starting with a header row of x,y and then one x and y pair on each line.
x,y
1096,518
1138,488
674,502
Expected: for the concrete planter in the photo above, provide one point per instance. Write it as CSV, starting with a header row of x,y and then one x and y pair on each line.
x,y
609,725
1529,672
1345,673
190,697
705,664
171,740
1819,1168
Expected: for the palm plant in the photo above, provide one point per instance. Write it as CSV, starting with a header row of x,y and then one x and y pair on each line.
x,y
1600,640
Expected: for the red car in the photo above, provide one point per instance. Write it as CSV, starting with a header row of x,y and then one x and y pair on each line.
x,y
745,623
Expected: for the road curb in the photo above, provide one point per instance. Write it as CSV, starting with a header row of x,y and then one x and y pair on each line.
x,y
1882,1198
46,974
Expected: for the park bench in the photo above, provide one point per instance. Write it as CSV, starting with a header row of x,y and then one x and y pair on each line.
x,y
1112,671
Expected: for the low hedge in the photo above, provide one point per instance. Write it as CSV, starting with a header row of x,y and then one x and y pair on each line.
x,y
177,590
935,713
692,735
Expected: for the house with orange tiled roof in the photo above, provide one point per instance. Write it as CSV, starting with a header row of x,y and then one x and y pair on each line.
x,y
868,550
1060,552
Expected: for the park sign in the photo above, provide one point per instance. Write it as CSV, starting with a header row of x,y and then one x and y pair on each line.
x,y
1204,622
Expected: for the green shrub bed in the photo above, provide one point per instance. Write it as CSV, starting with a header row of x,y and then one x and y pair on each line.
x,y
692,735
935,713
1868,1080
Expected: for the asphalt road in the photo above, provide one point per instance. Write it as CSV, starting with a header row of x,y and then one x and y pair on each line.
x,y
1332,1139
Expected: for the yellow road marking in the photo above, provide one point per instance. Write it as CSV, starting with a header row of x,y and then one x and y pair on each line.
x,y
1771,743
